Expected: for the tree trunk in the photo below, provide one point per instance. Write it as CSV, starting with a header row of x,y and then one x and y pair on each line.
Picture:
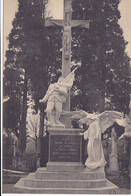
x,y
41,130
43,141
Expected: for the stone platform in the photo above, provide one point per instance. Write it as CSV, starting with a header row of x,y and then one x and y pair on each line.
x,y
64,172
73,180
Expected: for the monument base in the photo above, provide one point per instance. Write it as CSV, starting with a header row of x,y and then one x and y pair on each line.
x,y
65,182
65,173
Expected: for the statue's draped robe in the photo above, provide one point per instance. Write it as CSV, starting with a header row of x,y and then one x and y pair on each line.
x,y
94,148
61,88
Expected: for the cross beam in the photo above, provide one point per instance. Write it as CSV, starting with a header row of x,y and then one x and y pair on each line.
x,y
67,23
73,23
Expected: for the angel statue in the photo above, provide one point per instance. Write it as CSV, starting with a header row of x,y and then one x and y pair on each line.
x,y
98,124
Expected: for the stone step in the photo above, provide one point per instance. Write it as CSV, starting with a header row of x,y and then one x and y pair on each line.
x,y
36,183
68,175
64,166
109,189
31,175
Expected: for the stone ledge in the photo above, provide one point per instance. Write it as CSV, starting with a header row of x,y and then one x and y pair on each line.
x,y
64,166
64,131
65,183
68,175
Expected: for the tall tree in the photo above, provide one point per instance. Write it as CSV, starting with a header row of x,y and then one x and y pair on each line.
x,y
101,50
35,56
26,47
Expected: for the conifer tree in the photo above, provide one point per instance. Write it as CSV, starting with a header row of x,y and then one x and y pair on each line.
x,y
101,49
26,50
34,55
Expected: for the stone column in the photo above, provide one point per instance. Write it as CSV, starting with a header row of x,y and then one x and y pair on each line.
x,y
113,158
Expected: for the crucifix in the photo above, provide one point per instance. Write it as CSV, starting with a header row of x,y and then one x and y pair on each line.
x,y
67,23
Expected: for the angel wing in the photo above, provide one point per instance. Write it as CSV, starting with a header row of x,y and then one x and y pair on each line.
x,y
108,118
83,117
76,115
126,122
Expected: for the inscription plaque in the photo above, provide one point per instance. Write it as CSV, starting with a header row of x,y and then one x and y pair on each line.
x,y
65,148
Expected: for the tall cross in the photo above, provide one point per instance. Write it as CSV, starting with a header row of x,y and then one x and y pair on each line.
x,y
67,23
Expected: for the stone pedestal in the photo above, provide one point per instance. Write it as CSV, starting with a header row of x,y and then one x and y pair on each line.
x,y
65,149
65,173
65,145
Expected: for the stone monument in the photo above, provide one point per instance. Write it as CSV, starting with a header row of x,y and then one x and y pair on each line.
x,y
113,157
63,150
64,172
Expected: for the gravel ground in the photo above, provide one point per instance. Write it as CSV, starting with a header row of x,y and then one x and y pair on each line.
x,y
9,188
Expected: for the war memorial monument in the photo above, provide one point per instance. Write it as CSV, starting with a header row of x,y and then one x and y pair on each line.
x,y
65,172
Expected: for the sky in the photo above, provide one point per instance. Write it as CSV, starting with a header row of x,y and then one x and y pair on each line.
x,y
10,7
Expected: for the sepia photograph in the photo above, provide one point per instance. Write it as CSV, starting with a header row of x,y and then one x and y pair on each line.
x,y
65,97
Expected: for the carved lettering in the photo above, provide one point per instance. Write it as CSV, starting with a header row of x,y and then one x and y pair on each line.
x,y
65,148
